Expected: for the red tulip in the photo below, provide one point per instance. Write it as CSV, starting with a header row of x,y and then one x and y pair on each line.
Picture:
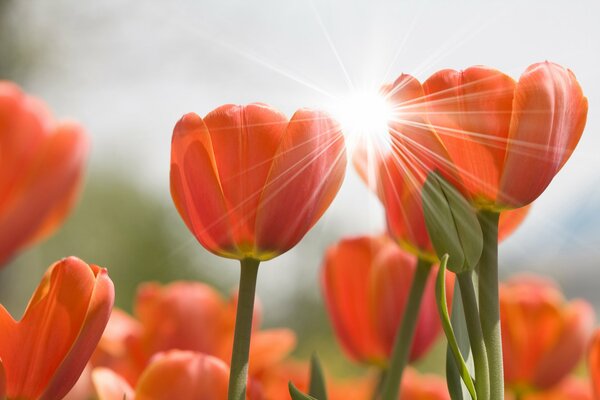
x,y
366,281
41,168
506,140
249,183
594,363
44,353
543,336
171,375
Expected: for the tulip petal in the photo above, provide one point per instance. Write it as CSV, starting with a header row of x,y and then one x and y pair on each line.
x,y
47,192
401,198
245,140
594,363
470,111
3,385
96,318
564,357
510,220
183,375
270,347
195,185
417,146
345,276
549,113
182,315
110,386
306,174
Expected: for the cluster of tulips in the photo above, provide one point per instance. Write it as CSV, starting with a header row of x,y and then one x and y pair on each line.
x,y
468,152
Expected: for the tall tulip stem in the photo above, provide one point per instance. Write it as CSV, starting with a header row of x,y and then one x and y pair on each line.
x,y
489,309
238,377
404,337
480,359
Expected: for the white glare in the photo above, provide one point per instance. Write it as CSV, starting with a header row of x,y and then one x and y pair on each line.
x,y
363,116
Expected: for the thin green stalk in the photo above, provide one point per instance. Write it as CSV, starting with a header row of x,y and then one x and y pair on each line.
x,y
377,391
489,309
480,359
404,337
243,329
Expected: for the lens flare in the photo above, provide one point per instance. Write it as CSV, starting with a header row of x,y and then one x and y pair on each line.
x,y
364,116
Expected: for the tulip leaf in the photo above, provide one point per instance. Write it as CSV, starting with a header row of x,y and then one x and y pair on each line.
x,y
297,394
463,369
452,224
317,381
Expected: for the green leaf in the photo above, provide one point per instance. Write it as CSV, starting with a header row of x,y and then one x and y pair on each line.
x,y
298,395
460,364
317,387
452,224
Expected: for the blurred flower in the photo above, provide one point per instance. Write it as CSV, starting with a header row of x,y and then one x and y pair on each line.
x,y
568,389
366,281
249,183
41,165
44,353
193,317
423,387
170,375
594,363
543,336
505,140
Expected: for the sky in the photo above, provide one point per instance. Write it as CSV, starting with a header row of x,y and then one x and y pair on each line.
x,y
128,70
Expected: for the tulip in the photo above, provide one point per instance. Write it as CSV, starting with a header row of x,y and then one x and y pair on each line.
x,y
402,197
172,375
193,317
366,283
44,353
543,336
249,183
506,140
568,389
594,363
423,387
40,170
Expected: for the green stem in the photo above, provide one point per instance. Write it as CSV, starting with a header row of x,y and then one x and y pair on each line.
x,y
480,358
377,391
489,309
243,329
404,337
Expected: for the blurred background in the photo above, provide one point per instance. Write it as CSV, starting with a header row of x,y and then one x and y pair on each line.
x,y
128,70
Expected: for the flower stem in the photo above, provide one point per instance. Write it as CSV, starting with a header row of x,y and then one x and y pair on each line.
x,y
489,309
480,359
404,337
243,329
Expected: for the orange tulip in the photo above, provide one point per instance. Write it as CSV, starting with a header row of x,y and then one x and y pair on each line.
x,y
568,389
366,281
193,317
543,336
172,375
423,387
594,363
44,353
249,183
399,190
41,165
506,140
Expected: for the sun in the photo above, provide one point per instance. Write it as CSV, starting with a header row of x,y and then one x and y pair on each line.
x,y
363,116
